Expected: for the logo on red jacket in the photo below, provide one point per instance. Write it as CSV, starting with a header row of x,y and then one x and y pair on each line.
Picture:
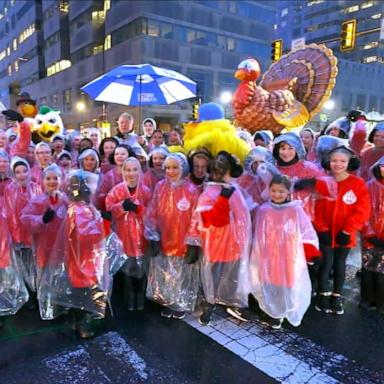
x,y
349,198
183,204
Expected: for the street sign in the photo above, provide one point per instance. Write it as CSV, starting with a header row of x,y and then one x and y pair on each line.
x,y
382,30
298,43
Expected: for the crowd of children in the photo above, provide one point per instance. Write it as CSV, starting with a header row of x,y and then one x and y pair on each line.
x,y
191,231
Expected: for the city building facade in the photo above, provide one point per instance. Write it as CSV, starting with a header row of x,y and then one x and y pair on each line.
x,y
51,48
361,69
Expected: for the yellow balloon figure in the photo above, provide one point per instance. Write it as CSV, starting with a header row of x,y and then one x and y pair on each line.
x,y
213,132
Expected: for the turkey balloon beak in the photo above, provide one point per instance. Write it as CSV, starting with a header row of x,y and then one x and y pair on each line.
x,y
241,74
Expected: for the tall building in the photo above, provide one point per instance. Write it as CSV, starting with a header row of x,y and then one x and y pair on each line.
x,y
361,69
51,48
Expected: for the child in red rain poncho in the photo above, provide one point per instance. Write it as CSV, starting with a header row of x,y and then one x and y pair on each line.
x,y
372,274
289,153
13,293
171,281
43,215
254,180
370,155
127,202
279,275
155,171
112,177
78,276
336,222
16,196
221,226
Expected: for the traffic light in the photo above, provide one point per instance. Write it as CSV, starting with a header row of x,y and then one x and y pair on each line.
x,y
277,50
348,35
195,109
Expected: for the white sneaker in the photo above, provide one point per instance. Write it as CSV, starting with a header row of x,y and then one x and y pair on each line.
x,y
235,312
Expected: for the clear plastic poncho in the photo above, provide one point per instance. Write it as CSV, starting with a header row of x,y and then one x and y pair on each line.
x,y
278,269
172,282
129,226
78,273
225,248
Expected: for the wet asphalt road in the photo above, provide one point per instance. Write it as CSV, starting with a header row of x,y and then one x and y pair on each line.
x,y
142,347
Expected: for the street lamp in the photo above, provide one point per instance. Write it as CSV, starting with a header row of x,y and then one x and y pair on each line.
x,y
330,104
80,106
225,98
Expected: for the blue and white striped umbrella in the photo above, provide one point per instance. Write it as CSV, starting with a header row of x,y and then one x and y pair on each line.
x,y
141,84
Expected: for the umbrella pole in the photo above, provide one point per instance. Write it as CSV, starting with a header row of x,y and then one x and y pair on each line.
x,y
140,133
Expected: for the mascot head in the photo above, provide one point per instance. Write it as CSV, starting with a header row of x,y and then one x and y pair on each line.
x,y
26,105
47,123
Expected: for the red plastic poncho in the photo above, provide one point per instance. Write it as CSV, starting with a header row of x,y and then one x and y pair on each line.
x,y
85,253
375,226
304,169
5,238
129,226
44,235
278,269
20,146
15,199
349,212
107,182
169,215
151,178
369,157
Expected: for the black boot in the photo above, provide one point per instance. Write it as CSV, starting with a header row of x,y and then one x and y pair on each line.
x,y
84,325
130,293
140,293
205,317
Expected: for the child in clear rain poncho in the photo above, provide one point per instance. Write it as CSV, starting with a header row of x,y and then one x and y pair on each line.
x,y
13,292
127,202
221,226
279,274
16,196
171,281
78,275
44,215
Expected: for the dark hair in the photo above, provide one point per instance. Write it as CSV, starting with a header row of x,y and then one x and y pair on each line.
x,y
150,161
105,140
86,139
276,155
282,180
158,130
376,172
130,151
372,135
19,163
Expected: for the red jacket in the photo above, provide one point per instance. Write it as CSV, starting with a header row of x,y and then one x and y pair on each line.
x,y
349,212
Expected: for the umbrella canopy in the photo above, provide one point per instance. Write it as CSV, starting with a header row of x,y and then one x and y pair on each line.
x,y
142,84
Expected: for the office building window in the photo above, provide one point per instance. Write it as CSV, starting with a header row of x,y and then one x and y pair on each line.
x,y
49,12
26,33
370,45
107,42
153,28
52,40
372,103
346,102
351,9
361,100
370,59
54,100
367,4
67,100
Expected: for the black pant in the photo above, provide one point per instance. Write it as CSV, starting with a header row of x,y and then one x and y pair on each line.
x,y
332,258
372,288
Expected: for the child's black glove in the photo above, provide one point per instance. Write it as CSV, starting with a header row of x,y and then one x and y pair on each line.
x,y
12,115
376,242
343,238
325,238
155,247
129,206
192,254
48,215
227,192
303,184
106,215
